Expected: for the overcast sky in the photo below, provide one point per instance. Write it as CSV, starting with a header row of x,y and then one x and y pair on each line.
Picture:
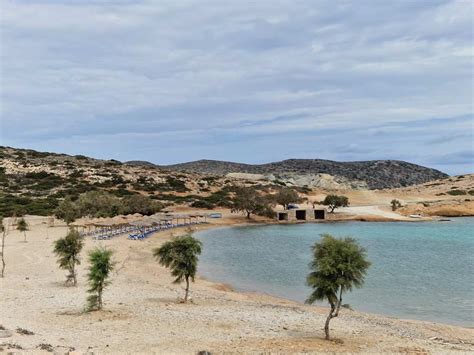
x,y
248,81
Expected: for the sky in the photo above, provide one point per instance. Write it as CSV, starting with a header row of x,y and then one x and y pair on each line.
x,y
247,81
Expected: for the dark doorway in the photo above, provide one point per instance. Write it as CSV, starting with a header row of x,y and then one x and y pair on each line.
x,y
283,216
319,214
301,215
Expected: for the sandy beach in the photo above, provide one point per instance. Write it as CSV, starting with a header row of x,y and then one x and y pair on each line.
x,y
143,314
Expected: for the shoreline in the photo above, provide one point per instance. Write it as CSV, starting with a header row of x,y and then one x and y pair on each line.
x,y
220,319
233,288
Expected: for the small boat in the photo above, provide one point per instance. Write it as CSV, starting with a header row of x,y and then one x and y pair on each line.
x,y
215,215
444,220
415,216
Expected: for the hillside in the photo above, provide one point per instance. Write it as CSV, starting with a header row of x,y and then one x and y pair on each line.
x,y
35,182
376,174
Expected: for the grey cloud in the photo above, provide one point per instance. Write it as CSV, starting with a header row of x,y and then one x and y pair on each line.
x,y
212,75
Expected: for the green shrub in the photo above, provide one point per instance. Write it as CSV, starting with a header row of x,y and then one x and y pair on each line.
x,y
456,192
202,204
174,184
16,205
140,204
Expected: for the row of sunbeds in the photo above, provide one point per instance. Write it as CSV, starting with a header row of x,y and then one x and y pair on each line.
x,y
134,232
145,233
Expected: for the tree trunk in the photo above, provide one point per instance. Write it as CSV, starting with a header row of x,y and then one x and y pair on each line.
x,y
248,215
73,274
333,313
187,290
99,297
3,253
24,234
326,326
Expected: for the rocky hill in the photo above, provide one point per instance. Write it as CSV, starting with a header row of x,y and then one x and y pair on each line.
x,y
375,174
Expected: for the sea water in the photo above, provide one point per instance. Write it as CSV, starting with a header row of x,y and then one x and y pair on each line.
x,y
420,270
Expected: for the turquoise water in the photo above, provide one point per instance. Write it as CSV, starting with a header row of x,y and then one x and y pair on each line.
x,y
420,270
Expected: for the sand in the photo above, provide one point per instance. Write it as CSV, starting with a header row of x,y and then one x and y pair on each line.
x,y
143,314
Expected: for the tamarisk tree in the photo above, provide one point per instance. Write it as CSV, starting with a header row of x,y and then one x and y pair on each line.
x,y
101,265
22,226
68,249
335,201
338,265
181,256
249,201
286,196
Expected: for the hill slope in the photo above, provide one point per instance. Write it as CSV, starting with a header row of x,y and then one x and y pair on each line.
x,y
376,174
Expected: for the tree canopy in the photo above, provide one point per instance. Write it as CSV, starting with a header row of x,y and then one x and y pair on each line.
x,y
335,201
68,249
338,266
180,255
249,201
140,204
67,210
286,196
101,265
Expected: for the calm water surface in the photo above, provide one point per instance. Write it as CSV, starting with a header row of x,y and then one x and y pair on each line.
x,y
419,270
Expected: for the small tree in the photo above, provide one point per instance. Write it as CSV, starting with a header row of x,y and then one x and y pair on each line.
x,y
22,226
248,200
286,196
68,249
101,265
181,256
3,230
335,201
395,204
338,265
67,210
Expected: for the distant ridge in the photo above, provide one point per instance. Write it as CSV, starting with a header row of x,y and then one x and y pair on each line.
x,y
140,163
374,174
377,174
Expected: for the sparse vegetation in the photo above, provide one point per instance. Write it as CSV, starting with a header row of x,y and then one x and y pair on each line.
x,y
11,205
202,204
338,266
181,257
